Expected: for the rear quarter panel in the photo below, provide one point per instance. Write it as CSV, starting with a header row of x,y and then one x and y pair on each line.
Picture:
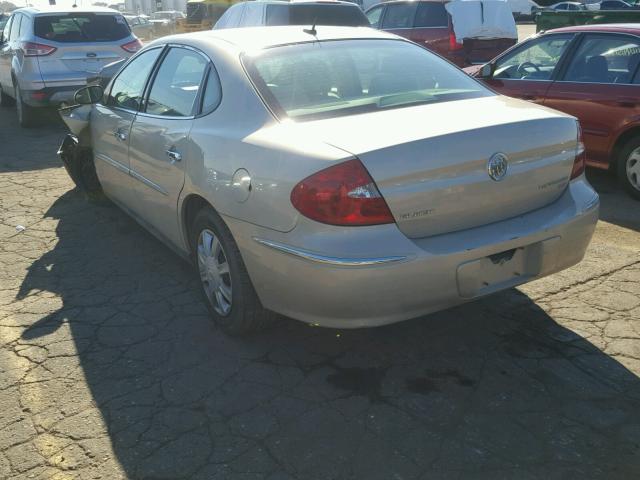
x,y
242,133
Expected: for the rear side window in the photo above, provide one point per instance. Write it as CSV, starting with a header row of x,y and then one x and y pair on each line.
x,y
374,15
399,15
431,14
177,83
327,14
81,27
15,29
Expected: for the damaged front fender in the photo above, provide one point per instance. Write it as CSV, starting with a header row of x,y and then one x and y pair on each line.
x,y
76,153
78,161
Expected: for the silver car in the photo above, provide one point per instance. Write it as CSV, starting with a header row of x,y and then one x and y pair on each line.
x,y
46,54
344,177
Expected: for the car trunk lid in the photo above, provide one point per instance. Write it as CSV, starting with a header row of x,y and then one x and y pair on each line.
x,y
433,171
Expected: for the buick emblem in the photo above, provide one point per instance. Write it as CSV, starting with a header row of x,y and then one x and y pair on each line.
x,y
497,166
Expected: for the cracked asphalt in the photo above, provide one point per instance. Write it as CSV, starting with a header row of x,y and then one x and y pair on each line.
x,y
110,368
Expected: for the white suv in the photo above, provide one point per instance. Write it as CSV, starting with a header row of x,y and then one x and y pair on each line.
x,y
47,54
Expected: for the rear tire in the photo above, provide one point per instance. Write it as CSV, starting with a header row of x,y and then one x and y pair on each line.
x,y
5,100
26,113
224,281
628,168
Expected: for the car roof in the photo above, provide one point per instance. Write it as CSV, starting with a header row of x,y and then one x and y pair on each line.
x,y
258,38
60,9
632,28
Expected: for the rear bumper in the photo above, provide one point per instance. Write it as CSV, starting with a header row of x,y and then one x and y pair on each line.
x,y
475,56
312,273
51,96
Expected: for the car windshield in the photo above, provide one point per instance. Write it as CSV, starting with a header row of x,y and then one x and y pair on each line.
x,y
322,14
316,80
82,27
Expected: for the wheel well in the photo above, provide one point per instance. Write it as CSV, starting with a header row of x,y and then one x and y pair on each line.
x,y
190,207
621,141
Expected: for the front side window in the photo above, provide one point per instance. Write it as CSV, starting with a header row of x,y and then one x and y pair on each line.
x,y
536,60
431,14
82,27
604,59
374,15
175,88
399,15
336,78
128,87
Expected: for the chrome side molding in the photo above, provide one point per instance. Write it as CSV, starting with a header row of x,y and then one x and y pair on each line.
x,y
342,262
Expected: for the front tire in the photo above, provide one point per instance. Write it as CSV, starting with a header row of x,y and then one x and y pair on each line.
x,y
628,166
224,281
26,114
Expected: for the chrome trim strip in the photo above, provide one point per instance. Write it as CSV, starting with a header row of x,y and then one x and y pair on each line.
x,y
114,163
148,182
342,262
119,166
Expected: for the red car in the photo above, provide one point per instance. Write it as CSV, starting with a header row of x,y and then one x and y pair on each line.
x,y
427,23
590,72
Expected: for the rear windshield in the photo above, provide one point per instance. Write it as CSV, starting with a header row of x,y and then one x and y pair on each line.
x,y
82,27
317,80
327,14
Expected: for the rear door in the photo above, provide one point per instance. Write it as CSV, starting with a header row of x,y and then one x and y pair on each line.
x,y
600,87
159,137
85,43
111,126
431,27
528,71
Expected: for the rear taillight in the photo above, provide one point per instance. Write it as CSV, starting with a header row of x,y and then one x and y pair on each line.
x,y
580,160
453,42
344,194
132,47
32,49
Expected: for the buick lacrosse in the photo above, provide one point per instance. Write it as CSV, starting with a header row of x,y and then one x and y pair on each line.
x,y
344,177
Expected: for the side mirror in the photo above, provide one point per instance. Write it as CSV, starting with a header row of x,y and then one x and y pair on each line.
x,y
89,94
486,71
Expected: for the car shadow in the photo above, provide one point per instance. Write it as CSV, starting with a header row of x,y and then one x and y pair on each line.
x,y
23,149
492,389
616,206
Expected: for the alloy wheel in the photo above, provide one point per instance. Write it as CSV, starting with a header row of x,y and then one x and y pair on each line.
x,y
633,168
214,272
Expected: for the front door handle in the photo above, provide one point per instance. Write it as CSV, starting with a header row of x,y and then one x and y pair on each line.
x,y
120,135
173,155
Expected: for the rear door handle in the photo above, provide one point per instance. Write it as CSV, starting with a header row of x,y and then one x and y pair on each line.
x,y
174,155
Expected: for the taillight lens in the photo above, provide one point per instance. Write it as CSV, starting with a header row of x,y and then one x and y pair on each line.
x,y
344,194
132,47
580,160
453,42
32,49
